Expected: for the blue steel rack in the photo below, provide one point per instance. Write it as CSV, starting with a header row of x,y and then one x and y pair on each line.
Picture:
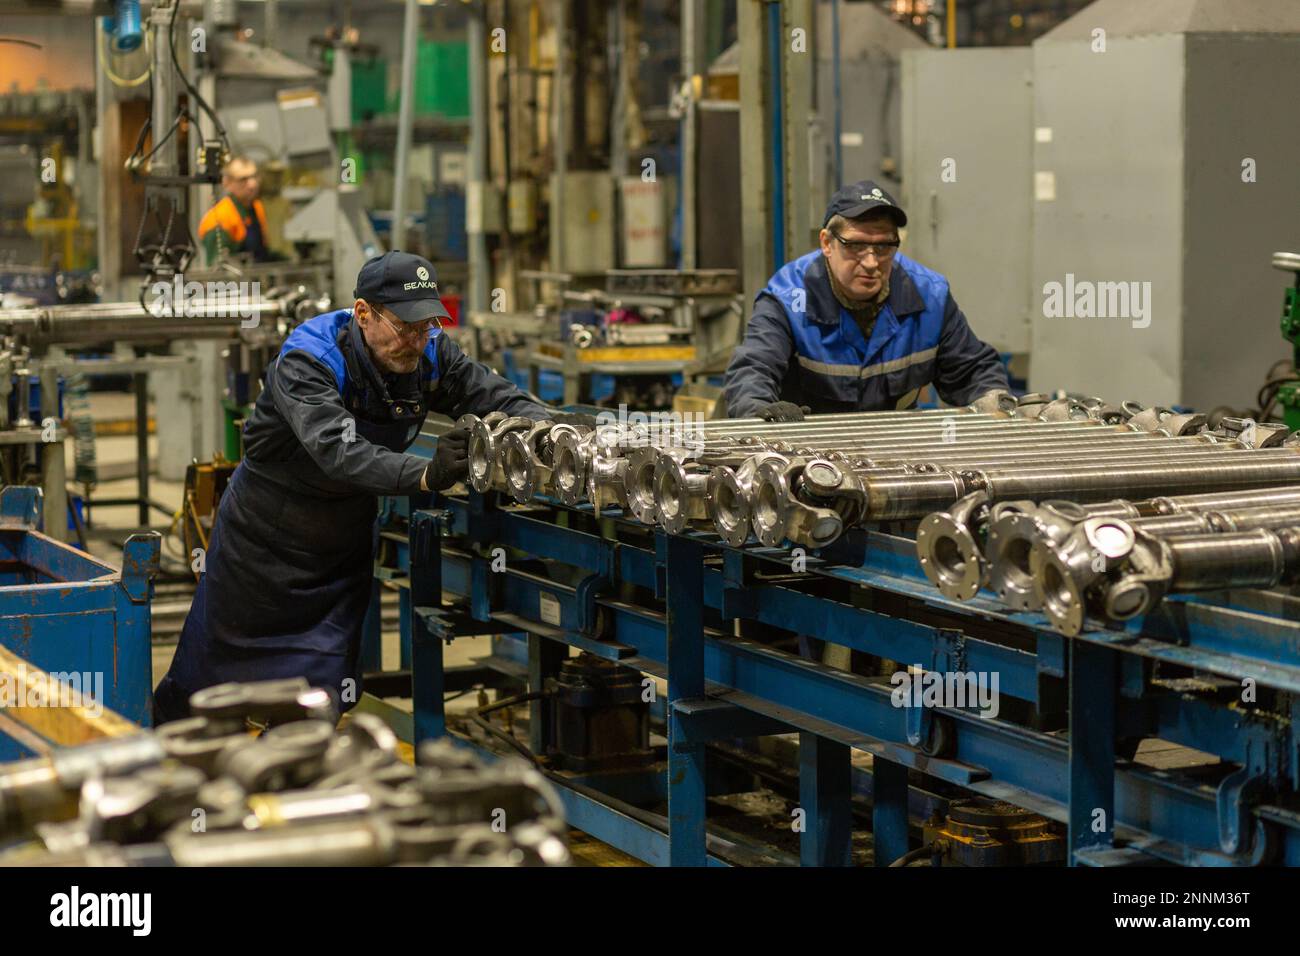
x,y
722,687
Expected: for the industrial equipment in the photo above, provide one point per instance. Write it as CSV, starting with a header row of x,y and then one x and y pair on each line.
x,y
202,792
630,539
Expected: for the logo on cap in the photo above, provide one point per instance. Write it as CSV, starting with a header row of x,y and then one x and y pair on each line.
x,y
421,273
875,194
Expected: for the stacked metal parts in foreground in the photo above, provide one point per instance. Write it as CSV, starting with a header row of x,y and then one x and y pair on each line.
x,y
203,792
804,483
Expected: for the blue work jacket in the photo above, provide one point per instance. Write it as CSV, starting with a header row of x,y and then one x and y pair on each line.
x,y
802,346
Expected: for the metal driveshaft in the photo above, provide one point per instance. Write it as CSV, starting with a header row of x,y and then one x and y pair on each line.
x,y
854,449
635,485
908,446
918,495
577,466
1113,570
1263,557
680,490
1013,534
972,544
778,513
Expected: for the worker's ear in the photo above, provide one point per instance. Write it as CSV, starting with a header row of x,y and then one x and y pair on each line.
x,y
361,309
824,238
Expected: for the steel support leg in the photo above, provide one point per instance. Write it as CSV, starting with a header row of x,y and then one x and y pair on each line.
x,y
142,447
426,649
1093,687
824,796
544,659
686,786
372,628
404,638
54,469
889,811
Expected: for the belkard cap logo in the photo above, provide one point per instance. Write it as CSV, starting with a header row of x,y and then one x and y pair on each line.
x,y
422,275
877,195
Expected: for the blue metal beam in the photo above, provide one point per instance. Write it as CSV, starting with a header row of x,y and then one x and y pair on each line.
x,y
990,756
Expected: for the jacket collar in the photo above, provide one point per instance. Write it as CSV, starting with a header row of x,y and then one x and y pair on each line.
x,y
904,298
373,380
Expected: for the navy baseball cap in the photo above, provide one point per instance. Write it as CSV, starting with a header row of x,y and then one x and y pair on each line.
x,y
856,200
403,283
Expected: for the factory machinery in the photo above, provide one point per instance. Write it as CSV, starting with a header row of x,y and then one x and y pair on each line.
x,y
205,792
33,343
1109,573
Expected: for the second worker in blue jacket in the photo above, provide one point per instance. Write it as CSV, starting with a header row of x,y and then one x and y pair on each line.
x,y
856,326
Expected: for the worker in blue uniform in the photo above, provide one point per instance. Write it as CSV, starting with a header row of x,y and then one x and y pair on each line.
x,y
289,565
856,326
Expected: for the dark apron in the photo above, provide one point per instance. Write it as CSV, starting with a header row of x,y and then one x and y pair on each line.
x,y
286,588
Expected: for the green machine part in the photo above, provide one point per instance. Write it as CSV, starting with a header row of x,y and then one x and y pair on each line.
x,y
1288,396
235,416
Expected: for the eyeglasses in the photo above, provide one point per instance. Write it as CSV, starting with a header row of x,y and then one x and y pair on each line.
x,y
860,250
413,331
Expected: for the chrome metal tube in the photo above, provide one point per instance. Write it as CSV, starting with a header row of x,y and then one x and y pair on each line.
x,y
1013,535
1259,468
672,481
892,496
1108,568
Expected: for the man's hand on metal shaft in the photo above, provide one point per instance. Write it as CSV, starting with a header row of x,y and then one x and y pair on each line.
x,y
783,412
450,462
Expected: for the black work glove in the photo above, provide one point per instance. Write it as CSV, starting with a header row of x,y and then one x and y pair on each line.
x,y
783,412
576,419
450,462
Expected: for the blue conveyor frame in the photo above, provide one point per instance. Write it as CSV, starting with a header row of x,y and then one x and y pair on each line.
x,y
722,687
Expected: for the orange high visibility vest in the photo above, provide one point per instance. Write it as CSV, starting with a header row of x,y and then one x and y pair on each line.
x,y
226,215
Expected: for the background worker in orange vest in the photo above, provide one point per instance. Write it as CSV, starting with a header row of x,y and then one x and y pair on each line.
x,y
236,224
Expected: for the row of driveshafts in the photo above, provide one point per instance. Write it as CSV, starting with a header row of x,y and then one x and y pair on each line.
x,y
804,483
206,792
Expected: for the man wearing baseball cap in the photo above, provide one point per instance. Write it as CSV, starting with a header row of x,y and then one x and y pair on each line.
x,y
856,325
288,569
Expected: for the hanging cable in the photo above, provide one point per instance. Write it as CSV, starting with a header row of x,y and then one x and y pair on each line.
x,y
105,58
189,87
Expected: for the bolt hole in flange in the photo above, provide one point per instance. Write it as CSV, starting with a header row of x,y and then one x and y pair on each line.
x,y
949,556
